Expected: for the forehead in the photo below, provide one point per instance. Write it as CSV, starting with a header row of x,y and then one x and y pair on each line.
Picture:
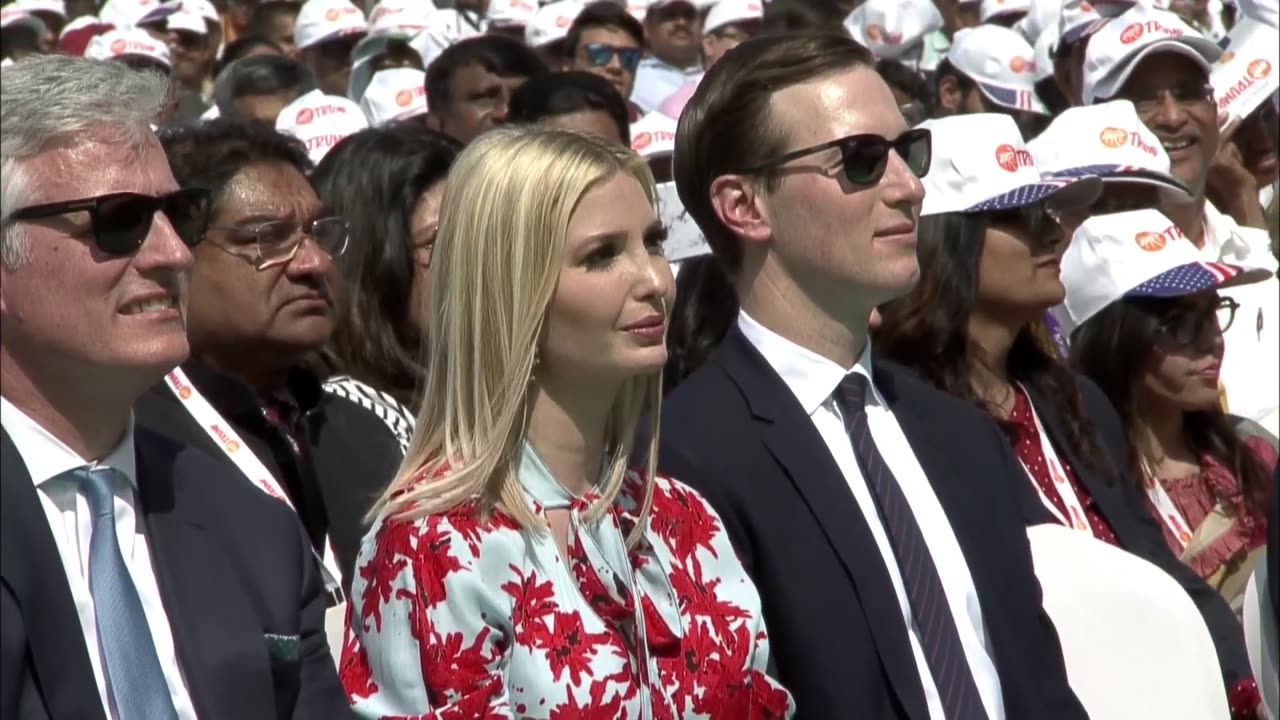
x,y
89,168
273,189
1163,69
608,35
475,76
847,102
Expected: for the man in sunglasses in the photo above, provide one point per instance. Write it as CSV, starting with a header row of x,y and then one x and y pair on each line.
x,y
606,40
873,512
673,31
139,577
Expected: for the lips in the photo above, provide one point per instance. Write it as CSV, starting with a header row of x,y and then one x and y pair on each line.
x,y
899,229
647,323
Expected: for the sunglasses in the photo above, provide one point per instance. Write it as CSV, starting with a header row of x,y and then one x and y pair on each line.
x,y
864,157
122,221
1041,224
599,55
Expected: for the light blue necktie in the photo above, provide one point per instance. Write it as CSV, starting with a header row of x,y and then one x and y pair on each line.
x,y
133,667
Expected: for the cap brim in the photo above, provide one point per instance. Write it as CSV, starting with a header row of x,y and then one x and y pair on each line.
x,y
1194,277
1124,174
342,34
1059,194
1024,99
1203,51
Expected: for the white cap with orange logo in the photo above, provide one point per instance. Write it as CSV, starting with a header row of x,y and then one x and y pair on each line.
x,y
654,135
552,22
1125,40
511,13
894,29
400,17
728,12
1138,254
1002,64
321,121
130,42
56,7
130,13
990,9
1248,73
323,20
980,164
395,94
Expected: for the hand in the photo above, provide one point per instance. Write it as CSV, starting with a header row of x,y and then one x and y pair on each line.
x,y
1230,185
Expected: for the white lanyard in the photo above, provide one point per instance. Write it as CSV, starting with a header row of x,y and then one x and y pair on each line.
x,y
1165,508
225,437
1075,517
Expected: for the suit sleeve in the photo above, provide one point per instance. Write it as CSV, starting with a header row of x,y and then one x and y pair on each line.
x,y
320,693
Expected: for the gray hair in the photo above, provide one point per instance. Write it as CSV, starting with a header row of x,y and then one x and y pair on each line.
x,y
51,98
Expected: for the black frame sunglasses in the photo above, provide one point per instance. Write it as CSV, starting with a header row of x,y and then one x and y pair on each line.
x,y
864,157
121,221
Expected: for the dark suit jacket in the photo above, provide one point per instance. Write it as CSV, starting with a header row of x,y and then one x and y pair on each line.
x,y
232,565
734,431
1121,503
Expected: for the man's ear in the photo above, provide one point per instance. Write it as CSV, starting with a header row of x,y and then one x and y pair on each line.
x,y
434,122
950,96
740,207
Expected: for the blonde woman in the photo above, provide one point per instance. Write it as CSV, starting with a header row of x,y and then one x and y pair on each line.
x,y
516,568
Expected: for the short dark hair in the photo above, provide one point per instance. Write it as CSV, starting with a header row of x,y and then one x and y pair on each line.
x,y
562,93
260,20
946,69
240,47
792,16
726,126
602,14
260,75
499,55
208,155
899,76
374,179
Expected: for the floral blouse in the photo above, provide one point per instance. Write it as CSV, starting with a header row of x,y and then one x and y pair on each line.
x,y
457,618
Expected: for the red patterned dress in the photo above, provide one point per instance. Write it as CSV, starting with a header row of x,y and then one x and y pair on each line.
x,y
454,618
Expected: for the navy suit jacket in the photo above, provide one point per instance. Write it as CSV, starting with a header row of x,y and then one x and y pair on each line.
x,y
734,431
232,564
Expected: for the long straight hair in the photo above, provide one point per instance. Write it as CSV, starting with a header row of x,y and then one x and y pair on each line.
x,y
506,211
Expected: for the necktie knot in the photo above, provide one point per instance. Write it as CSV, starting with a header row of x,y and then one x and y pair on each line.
x,y
99,488
853,390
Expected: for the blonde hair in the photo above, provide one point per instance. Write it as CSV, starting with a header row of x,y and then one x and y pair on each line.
x,y
506,211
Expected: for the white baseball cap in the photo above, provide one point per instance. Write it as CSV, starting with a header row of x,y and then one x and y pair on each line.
x,y
893,28
1248,73
654,135
13,17
189,21
1124,41
395,94
1081,18
129,42
728,12
511,13
1002,64
981,164
130,13
1266,12
1138,254
552,22
1044,47
324,20
989,9
637,8
57,7
400,17
203,8
321,121
1108,141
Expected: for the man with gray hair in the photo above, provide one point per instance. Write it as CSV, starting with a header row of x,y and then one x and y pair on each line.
x,y
139,578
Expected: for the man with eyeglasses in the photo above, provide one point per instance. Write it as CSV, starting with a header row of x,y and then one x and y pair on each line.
x,y
1162,65
139,577
605,40
880,519
261,305
672,29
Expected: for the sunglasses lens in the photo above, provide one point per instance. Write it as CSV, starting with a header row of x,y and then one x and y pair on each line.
x,y
916,149
188,213
120,224
630,58
864,161
599,55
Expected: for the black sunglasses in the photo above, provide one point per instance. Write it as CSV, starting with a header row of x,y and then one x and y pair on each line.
x,y
121,221
865,157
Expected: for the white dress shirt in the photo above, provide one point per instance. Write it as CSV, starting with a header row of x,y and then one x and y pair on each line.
x,y
813,380
67,509
1251,362
656,81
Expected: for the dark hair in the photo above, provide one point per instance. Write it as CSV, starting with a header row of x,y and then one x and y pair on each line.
x,y
908,81
602,14
561,93
241,47
208,155
792,16
727,126
1112,349
374,179
499,55
946,69
260,75
928,329
260,20
704,311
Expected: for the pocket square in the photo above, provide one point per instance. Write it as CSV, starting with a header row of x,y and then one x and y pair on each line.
x,y
282,648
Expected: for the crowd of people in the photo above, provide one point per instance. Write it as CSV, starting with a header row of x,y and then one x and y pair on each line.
x,y
663,359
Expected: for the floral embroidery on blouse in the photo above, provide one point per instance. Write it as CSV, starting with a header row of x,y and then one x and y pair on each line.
x,y
452,617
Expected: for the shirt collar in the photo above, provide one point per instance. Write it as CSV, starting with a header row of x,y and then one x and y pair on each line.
x,y
543,487
1226,241
811,378
47,457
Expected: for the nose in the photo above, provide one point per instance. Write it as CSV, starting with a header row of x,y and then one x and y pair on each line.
x,y
614,65
900,186
1168,114
311,261
654,280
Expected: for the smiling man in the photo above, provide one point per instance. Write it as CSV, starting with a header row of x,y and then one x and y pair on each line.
x,y
260,305
1159,63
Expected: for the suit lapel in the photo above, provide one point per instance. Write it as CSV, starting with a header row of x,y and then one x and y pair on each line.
x,y
31,568
225,677
792,439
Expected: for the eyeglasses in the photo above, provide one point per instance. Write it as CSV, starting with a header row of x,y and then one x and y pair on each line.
x,y
864,157
599,55
277,242
1186,96
1186,327
121,221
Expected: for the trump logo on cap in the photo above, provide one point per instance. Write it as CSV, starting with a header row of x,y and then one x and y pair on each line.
x,y
1019,64
305,115
404,97
874,32
1131,34
117,47
1011,158
1114,137
641,141
1259,69
1150,241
